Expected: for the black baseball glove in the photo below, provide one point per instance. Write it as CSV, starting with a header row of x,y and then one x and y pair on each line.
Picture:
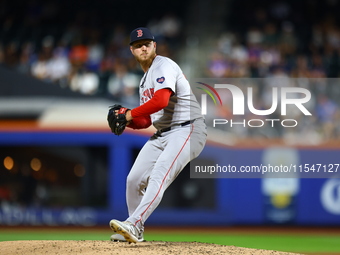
x,y
117,122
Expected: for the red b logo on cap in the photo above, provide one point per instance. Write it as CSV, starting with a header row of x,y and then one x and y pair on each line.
x,y
139,33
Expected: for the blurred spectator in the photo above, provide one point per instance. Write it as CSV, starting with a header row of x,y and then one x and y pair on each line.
x,y
225,43
332,35
254,36
39,67
58,67
79,53
287,39
239,53
270,36
277,78
47,46
327,111
317,66
95,55
301,68
26,57
317,40
123,85
217,67
84,81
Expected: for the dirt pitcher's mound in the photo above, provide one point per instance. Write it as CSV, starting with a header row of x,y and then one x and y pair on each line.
x,y
108,247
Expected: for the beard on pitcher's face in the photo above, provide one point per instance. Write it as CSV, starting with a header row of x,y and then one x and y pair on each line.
x,y
143,50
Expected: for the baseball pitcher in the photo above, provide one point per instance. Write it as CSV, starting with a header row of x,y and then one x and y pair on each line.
x,y
167,102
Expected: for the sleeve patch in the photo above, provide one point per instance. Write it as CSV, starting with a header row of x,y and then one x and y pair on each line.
x,y
160,80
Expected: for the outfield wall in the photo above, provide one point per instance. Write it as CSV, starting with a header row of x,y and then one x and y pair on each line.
x,y
189,201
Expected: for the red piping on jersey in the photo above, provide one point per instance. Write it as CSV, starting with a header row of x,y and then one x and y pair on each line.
x,y
167,173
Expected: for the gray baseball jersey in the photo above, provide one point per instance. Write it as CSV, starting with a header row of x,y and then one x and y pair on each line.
x,y
183,106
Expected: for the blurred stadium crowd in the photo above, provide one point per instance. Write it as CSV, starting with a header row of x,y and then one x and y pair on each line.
x,y
289,43
78,44
297,39
75,48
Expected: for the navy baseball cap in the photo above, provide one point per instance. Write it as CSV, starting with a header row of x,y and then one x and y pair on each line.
x,y
141,33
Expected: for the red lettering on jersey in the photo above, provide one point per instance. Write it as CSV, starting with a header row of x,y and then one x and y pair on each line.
x,y
152,92
139,33
148,94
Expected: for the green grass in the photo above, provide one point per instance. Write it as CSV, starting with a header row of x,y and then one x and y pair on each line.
x,y
15,235
280,242
289,243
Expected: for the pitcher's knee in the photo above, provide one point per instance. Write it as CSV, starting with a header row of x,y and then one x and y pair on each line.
x,y
133,179
135,184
